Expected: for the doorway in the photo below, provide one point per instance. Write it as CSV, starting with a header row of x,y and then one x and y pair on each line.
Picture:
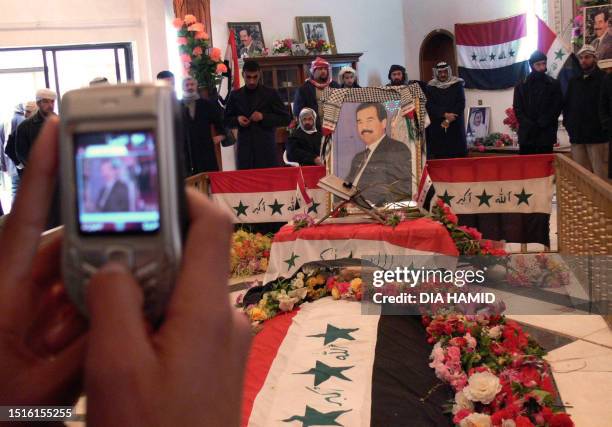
x,y
439,45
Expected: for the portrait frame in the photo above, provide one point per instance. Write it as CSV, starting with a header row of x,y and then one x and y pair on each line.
x,y
409,103
256,33
485,110
590,13
316,23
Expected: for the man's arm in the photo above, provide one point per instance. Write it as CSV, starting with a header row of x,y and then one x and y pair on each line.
x,y
551,113
434,110
459,107
519,108
567,104
297,153
400,169
22,143
276,114
232,112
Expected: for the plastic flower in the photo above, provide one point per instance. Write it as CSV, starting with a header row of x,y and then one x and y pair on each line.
x,y
177,23
215,54
197,51
482,387
462,402
476,420
221,68
190,19
201,35
198,27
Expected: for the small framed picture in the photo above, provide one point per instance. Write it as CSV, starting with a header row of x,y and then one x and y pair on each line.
x,y
314,28
298,49
478,122
249,38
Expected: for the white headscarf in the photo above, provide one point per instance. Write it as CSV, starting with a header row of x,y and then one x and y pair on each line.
x,y
445,84
308,112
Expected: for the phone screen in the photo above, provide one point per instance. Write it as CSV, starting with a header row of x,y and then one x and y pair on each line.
x,y
117,182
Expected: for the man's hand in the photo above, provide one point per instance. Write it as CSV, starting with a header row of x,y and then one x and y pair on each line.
x,y
42,347
318,161
217,139
256,117
451,117
243,121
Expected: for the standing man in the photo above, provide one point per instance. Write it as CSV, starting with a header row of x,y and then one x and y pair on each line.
x,y
347,78
538,101
199,116
256,111
445,106
581,115
397,76
250,47
310,93
166,76
605,104
28,130
304,144
383,171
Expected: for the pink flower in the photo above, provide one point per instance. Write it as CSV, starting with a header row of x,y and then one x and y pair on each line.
x,y
177,23
182,41
221,68
471,341
198,27
186,58
190,19
481,148
197,51
215,54
343,287
201,35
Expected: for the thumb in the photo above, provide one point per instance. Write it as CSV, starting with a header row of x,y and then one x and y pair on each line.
x,y
115,303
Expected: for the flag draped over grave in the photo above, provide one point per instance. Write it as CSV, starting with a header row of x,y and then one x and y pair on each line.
x,y
269,195
505,198
493,55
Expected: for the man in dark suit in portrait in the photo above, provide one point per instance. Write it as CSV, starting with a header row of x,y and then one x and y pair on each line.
x,y
114,196
384,169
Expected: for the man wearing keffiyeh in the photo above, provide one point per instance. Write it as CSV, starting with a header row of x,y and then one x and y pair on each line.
x,y
309,94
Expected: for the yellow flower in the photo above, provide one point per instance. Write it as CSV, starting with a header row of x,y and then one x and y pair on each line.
x,y
257,314
335,293
311,282
320,279
356,284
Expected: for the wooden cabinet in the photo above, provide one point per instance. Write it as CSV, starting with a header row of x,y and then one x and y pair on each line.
x,y
287,73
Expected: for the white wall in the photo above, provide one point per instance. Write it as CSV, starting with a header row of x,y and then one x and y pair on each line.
x,y
62,22
421,18
375,28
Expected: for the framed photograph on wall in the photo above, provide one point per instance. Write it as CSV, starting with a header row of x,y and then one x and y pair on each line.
x,y
249,38
478,123
597,31
316,28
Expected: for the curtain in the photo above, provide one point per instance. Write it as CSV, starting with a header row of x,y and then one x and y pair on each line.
x,y
199,8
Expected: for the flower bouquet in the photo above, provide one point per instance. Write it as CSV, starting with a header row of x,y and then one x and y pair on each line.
x,y
249,253
282,47
511,121
200,61
316,47
494,140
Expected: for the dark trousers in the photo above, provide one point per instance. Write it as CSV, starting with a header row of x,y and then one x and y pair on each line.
x,y
256,154
535,149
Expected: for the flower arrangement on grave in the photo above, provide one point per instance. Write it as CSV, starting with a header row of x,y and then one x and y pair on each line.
x,y
249,253
200,60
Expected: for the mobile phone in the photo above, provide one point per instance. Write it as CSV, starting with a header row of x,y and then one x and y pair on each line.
x,y
122,187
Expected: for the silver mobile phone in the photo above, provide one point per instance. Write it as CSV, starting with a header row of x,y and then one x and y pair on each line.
x,y
122,187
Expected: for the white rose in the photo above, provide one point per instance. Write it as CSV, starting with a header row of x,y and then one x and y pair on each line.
x,y
495,332
462,402
300,293
508,423
298,283
286,303
482,387
476,420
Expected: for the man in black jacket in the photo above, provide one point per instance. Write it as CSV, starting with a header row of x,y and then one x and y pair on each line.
x,y
605,104
581,115
28,130
537,103
304,145
256,111
309,94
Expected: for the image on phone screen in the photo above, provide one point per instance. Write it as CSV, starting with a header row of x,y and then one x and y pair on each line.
x,y
117,182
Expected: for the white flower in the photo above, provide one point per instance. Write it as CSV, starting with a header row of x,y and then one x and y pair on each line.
x,y
471,341
299,293
482,387
462,402
476,420
508,423
495,332
286,304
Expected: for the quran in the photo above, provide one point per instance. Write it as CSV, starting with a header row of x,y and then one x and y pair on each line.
x,y
337,187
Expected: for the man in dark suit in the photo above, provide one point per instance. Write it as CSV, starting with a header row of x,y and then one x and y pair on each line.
x,y
384,169
114,196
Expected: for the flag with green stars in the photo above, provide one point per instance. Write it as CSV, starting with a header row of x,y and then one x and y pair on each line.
x,y
328,364
506,198
269,195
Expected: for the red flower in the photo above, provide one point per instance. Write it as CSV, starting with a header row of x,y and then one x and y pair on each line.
x,y
215,54
221,68
560,420
530,377
197,51
461,415
523,422
458,341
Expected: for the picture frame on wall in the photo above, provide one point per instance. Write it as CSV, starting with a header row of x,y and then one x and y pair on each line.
x,y
249,38
316,28
479,122
597,31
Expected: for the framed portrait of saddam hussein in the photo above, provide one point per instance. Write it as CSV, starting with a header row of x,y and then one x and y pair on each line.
x,y
376,139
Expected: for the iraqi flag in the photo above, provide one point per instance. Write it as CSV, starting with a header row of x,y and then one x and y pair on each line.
x,y
493,55
328,364
269,195
562,64
506,198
